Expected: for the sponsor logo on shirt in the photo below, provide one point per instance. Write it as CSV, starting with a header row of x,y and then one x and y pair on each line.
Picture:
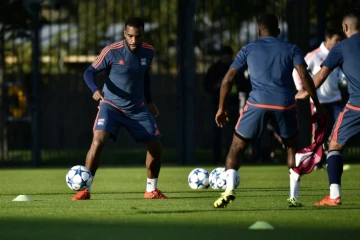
x,y
143,61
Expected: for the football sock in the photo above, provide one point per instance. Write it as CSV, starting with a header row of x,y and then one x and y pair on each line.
x,y
334,191
230,179
89,188
151,184
294,183
334,162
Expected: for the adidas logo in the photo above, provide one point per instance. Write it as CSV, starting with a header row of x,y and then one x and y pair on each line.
x,y
149,183
121,62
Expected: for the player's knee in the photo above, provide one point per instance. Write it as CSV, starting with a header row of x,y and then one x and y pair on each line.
x,y
335,146
99,141
155,147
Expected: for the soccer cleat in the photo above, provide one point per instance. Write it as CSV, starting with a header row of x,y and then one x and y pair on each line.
x,y
327,201
82,195
226,198
156,194
293,202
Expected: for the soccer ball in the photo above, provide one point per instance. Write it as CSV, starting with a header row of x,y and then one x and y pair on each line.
x,y
78,178
198,178
218,179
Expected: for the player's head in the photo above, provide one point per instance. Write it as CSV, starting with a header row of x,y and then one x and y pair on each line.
x,y
332,37
268,25
134,33
351,22
226,54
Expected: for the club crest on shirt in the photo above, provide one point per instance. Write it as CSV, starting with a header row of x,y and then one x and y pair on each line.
x,y
143,61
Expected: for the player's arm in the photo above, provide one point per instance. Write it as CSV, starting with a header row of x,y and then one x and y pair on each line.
x,y
307,83
147,94
333,60
239,64
101,63
147,87
226,86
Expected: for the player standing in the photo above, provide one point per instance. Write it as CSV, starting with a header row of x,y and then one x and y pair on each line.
x,y
270,62
329,93
345,55
121,102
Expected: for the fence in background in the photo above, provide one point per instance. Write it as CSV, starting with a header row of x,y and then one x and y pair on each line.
x,y
47,109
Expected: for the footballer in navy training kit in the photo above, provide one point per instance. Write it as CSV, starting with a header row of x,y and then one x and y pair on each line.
x,y
270,63
345,55
127,63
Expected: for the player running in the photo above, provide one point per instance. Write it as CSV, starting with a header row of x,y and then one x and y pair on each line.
x,y
270,62
121,102
345,55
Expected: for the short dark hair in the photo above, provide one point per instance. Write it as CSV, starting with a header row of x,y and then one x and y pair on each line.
x,y
134,22
354,13
268,21
227,50
329,33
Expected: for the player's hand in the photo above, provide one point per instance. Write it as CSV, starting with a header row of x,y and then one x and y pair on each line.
x,y
221,117
98,95
153,109
321,110
301,94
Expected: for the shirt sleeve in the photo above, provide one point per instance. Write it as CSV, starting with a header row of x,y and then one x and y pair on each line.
x,y
240,60
103,60
298,57
334,58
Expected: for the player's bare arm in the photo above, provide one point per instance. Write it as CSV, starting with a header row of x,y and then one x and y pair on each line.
x,y
222,116
321,76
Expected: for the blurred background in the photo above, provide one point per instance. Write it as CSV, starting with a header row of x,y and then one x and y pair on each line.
x,y
47,111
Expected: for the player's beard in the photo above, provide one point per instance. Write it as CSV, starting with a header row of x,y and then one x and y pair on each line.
x,y
131,47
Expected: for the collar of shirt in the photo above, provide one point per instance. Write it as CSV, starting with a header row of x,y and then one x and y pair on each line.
x,y
269,38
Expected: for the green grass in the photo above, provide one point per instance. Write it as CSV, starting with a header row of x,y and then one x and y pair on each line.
x,y
118,211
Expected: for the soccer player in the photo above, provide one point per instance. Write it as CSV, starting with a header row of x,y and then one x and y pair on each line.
x,y
270,62
345,55
121,102
329,93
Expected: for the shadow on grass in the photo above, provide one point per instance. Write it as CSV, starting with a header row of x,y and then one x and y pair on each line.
x,y
152,229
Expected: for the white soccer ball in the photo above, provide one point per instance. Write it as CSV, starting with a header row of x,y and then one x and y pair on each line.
x,y
78,178
198,178
218,179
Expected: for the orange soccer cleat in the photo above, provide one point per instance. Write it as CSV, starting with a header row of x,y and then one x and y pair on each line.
x,y
82,195
327,201
156,194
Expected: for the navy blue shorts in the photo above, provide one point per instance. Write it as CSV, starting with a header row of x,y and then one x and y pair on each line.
x,y
254,117
347,125
140,123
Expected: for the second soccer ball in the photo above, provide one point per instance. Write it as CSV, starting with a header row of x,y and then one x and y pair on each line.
x,y
218,179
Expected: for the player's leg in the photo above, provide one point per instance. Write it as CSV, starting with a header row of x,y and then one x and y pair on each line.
x,y
288,127
249,126
93,157
142,126
105,126
346,126
153,165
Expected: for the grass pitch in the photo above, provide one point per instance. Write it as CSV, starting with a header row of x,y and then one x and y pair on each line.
x,y
118,211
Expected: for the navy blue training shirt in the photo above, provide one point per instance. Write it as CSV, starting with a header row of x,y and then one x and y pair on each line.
x,y
271,63
128,72
346,55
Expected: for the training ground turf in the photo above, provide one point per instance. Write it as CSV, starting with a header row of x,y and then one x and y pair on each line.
x,y
117,209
